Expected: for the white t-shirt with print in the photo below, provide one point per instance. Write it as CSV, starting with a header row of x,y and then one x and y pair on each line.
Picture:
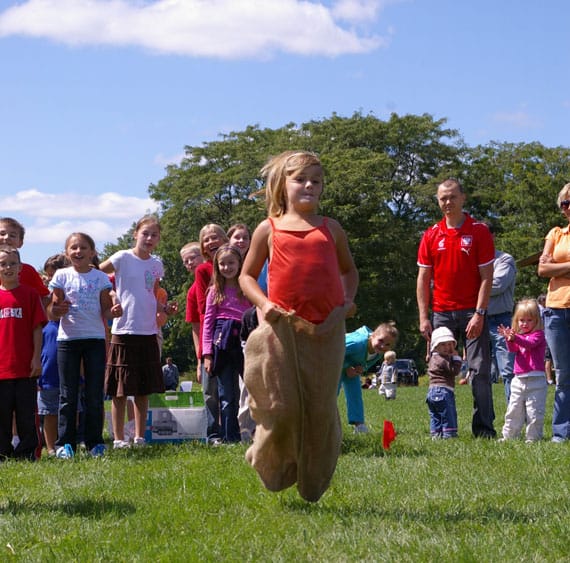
x,y
134,281
83,291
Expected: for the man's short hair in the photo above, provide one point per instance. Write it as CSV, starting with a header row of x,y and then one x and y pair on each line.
x,y
451,183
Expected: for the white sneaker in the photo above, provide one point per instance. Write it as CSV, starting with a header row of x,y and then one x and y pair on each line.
x,y
360,428
121,444
139,442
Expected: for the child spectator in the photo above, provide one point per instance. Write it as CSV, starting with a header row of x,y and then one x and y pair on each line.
x,y
444,364
221,345
133,364
81,343
192,258
239,237
48,383
527,403
21,320
12,233
211,237
388,376
294,359
362,350
170,375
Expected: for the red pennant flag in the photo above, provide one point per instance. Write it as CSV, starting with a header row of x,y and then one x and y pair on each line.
x,y
388,434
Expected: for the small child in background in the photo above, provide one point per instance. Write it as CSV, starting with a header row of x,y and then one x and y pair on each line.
x,y
221,344
192,258
20,361
362,350
444,365
527,402
211,237
12,233
239,237
388,376
48,383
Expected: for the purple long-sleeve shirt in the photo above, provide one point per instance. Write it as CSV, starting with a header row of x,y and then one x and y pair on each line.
x,y
529,352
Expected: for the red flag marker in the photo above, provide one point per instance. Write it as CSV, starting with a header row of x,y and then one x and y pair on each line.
x,y
388,434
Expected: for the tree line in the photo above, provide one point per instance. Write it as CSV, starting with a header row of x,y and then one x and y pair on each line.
x,y
380,182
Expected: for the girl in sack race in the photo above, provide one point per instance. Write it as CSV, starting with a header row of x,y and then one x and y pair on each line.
x,y
221,344
293,360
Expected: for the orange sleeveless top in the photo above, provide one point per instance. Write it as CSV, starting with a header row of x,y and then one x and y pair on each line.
x,y
303,273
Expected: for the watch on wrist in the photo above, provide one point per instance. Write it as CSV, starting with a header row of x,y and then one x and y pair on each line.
x,y
481,312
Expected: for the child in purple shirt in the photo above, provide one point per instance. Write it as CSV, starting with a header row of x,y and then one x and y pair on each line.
x,y
527,402
221,345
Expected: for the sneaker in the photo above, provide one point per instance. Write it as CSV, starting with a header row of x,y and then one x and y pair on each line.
x,y
98,450
139,442
64,452
360,428
121,444
216,442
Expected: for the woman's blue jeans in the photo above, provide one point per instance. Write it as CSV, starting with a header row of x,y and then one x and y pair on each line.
x,y
557,329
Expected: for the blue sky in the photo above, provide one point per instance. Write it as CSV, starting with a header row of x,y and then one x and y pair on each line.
x,y
98,96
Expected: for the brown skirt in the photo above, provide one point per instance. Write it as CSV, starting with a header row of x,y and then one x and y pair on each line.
x,y
133,366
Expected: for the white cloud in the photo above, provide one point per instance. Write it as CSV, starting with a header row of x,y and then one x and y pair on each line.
x,y
227,29
357,10
50,218
109,205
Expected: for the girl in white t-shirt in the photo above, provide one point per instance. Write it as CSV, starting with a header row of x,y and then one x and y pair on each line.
x,y
81,294
133,364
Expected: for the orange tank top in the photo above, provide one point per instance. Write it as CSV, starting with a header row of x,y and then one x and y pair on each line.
x,y
303,273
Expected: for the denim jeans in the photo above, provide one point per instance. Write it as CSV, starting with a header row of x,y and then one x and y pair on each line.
x,y
211,400
353,395
479,362
229,366
505,359
557,329
442,412
70,355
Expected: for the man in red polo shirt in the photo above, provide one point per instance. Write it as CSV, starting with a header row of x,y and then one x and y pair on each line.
x,y
456,257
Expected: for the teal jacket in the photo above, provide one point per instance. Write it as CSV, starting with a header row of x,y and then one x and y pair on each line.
x,y
356,352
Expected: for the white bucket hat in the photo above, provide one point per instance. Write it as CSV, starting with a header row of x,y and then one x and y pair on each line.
x,y
439,335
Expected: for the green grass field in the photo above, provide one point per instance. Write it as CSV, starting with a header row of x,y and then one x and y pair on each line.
x,y
454,500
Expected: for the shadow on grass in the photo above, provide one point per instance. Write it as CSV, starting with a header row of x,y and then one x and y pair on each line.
x,y
85,508
490,515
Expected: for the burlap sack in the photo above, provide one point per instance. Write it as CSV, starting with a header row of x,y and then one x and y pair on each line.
x,y
292,371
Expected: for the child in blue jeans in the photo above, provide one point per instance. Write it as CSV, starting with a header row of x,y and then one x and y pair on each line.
x,y
444,365
363,349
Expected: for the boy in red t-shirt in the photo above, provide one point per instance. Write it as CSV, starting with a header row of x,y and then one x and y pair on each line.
x,y
21,319
12,233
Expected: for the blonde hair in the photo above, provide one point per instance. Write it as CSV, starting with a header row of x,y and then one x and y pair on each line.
x,y
276,171
389,328
563,194
195,246
203,231
390,355
218,284
527,308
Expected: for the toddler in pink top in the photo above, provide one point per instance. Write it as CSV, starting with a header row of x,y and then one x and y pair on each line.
x,y
528,388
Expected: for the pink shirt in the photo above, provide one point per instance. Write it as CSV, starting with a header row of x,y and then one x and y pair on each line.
x,y
529,352
232,307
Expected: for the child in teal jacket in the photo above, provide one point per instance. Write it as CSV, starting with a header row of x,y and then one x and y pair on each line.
x,y
363,349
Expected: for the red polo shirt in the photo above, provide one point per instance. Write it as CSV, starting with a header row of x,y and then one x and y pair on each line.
x,y
455,256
